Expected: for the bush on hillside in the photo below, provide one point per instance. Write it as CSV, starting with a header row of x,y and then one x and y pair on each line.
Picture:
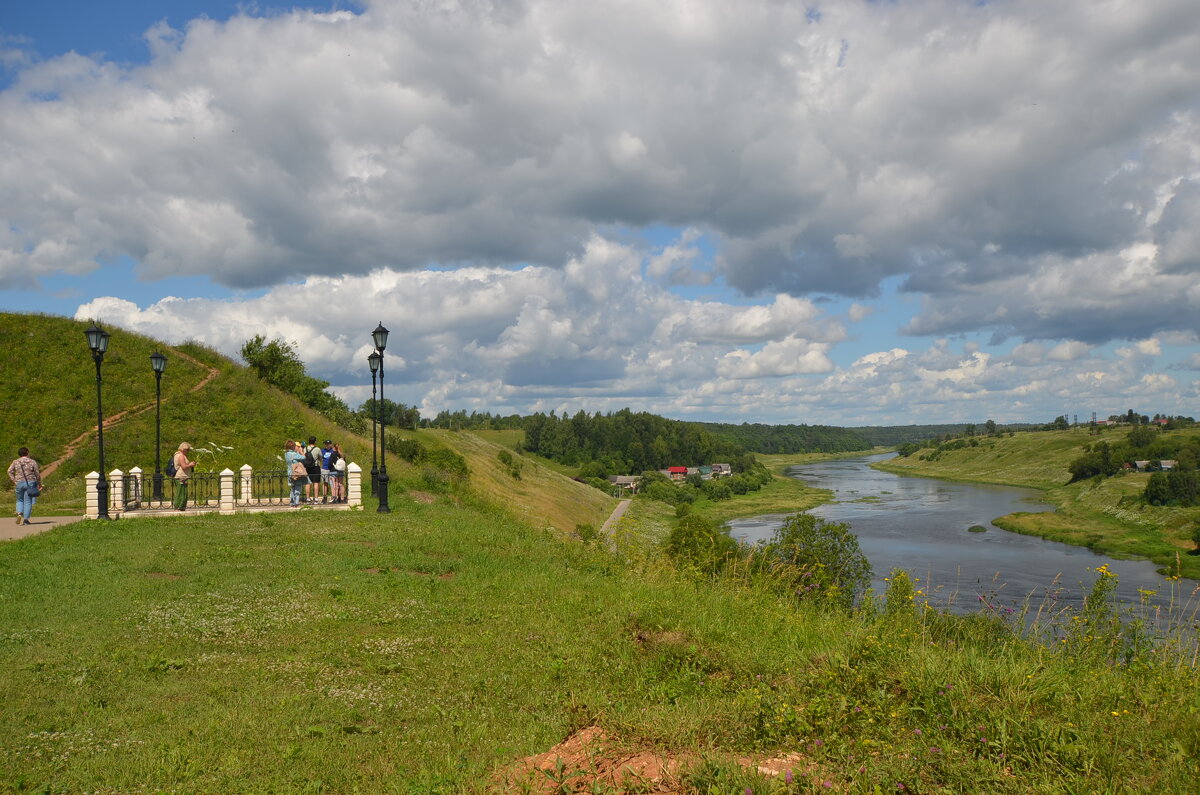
x,y
1177,487
824,559
717,490
701,544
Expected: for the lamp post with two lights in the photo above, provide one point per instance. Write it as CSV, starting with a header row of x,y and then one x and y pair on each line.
x,y
97,340
379,336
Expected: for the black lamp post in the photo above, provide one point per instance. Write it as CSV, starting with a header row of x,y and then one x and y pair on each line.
x,y
380,335
159,363
373,360
97,339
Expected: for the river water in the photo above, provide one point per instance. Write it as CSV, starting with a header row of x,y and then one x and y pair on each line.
x,y
921,525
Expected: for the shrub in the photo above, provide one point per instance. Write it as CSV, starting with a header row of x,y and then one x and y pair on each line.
x,y
661,491
701,544
443,468
827,553
510,464
717,490
410,450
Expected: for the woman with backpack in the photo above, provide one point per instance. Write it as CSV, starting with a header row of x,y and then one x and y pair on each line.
x,y
183,473
296,471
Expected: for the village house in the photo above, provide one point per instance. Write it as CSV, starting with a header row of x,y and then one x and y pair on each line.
x,y
626,482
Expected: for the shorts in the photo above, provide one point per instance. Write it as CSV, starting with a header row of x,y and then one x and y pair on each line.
x,y
330,476
314,477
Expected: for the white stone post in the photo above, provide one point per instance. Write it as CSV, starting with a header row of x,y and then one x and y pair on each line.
x,y
353,484
226,506
116,490
91,499
138,484
247,484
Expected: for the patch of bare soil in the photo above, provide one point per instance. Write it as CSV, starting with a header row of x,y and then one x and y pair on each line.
x,y
423,496
590,760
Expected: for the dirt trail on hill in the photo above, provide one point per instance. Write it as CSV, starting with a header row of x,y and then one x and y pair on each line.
x,y
74,445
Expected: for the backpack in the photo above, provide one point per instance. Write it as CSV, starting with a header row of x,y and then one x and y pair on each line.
x,y
310,462
171,467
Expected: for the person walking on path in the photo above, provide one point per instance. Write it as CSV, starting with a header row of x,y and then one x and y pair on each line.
x,y
27,477
183,473
298,477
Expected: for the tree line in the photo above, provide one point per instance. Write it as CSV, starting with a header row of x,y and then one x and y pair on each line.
x,y
769,439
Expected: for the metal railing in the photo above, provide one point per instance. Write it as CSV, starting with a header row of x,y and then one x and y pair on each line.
x,y
131,491
226,492
264,488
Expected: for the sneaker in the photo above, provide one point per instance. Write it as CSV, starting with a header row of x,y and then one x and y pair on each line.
x,y
20,520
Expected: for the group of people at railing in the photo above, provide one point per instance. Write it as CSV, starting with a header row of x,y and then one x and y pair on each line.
x,y
313,475
316,472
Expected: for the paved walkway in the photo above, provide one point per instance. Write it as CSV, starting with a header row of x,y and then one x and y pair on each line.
x,y
614,517
10,531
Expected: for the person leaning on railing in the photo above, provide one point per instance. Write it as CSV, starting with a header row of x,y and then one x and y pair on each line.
x,y
290,458
183,473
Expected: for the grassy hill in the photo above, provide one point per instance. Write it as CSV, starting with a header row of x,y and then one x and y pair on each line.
x,y
1088,513
52,402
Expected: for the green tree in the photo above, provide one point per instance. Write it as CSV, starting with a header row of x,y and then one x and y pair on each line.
x,y
1158,490
277,363
989,427
1140,437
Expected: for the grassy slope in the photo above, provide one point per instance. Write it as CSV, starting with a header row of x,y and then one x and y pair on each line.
x,y
541,496
1087,513
425,650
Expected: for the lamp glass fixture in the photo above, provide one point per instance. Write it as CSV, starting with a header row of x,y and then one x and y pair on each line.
x,y
97,339
380,334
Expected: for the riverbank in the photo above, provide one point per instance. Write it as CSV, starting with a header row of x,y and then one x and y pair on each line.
x,y
1102,515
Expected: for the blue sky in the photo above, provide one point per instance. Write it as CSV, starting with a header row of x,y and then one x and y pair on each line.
x,y
853,213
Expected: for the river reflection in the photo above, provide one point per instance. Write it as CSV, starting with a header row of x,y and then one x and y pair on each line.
x,y
921,525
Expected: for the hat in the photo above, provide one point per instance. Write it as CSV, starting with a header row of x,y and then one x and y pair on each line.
x,y
329,441
184,446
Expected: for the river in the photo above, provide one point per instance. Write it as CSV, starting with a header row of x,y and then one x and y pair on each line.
x,y
921,525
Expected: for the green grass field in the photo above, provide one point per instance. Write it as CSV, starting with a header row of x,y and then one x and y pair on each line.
x,y
430,649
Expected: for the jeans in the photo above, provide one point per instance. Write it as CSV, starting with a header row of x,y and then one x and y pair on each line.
x,y
298,488
25,500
